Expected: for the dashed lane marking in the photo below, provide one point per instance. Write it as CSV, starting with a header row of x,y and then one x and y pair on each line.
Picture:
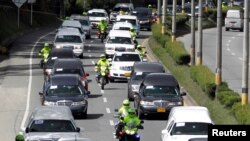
x,y
108,110
88,50
240,58
105,100
111,122
228,49
233,54
93,62
102,91
90,55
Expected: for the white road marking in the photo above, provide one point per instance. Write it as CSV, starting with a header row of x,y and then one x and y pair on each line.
x,y
93,62
108,110
228,45
229,41
26,113
233,54
88,50
90,55
240,58
105,100
102,91
233,37
111,122
91,41
228,49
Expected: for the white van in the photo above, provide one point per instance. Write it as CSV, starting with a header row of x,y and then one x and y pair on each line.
x,y
118,40
70,38
234,20
131,19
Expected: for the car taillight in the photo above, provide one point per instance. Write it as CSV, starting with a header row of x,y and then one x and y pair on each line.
x,y
121,133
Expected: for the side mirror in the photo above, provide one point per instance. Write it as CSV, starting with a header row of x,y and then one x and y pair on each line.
x,y
27,130
88,92
86,74
140,127
95,64
183,93
116,110
78,129
40,93
142,121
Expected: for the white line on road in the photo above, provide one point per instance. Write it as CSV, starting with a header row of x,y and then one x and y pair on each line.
x,y
88,50
228,45
228,49
105,100
233,37
91,41
26,113
111,122
240,58
229,41
233,54
108,110
93,62
90,55
102,91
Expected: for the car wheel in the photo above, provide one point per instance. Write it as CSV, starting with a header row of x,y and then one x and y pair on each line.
x,y
85,114
81,56
112,80
89,36
241,30
226,29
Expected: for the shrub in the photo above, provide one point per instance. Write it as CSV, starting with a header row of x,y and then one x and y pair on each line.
x,y
228,98
241,113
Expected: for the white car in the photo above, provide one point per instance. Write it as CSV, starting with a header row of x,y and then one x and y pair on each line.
x,y
187,122
96,15
118,40
74,24
122,26
70,38
122,63
131,19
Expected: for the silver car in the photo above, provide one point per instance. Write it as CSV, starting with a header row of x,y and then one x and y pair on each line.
x,y
84,20
51,123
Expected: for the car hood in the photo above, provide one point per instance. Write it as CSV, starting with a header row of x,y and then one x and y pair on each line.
x,y
66,98
86,27
120,45
125,63
184,137
135,82
50,136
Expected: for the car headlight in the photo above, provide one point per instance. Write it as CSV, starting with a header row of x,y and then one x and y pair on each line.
x,y
175,103
49,103
78,103
78,47
146,103
135,88
57,46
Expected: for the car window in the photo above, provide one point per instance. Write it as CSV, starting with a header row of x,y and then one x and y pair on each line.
x,y
125,9
64,90
139,75
170,125
161,91
233,14
52,126
96,14
68,38
132,21
190,128
69,71
119,40
127,57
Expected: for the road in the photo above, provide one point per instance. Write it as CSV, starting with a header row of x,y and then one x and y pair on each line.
x,y
22,80
232,53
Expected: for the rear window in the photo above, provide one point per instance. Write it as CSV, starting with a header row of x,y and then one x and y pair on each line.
x,y
64,90
190,128
125,9
233,14
68,38
161,91
119,40
96,14
52,126
132,21
69,71
127,57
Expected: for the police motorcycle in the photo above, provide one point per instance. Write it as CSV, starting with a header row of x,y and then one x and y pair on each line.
x,y
128,132
103,75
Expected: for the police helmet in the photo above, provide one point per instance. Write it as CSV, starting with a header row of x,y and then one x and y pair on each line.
x,y
126,102
131,111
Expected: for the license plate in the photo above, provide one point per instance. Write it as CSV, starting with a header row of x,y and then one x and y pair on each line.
x,y
161,110
127,74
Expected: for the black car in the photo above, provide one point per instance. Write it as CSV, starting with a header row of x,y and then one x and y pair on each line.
x,y
139,71
144,16
55,54
158,93
65,90
71,66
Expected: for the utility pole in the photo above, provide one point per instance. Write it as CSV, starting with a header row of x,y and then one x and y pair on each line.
x,y
158,11
192,32
206,7
174,21
163,27
245,67
183,6
219,46
199,53
231,3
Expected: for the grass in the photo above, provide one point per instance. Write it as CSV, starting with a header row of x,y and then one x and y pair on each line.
x,y
219,114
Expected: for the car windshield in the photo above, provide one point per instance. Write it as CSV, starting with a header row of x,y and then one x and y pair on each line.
x,y
84,22
161,91
125,9
51,62
139,75
96,14
64,90
190,128
121,28
142,14
127,57
132,21
68,38
119,40
69,71
52,126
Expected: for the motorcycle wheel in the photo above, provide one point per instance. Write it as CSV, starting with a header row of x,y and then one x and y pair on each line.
x,y
102,82
102,38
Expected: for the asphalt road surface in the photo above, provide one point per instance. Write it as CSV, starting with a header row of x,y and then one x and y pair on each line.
x,y
23,79
232,54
